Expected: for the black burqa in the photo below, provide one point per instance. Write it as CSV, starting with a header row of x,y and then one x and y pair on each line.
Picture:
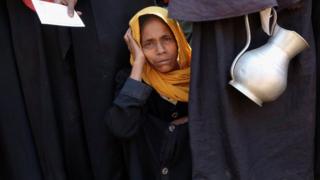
x,y
99,52
41,129
231,137
316,23
16,143
56,87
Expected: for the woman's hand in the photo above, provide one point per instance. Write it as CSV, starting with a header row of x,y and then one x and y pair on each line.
x,y
71,4
134,48
137,53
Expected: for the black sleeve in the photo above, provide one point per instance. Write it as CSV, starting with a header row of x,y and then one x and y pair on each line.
x,y
128,110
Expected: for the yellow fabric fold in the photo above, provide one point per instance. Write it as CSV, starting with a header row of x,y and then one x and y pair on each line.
x,y
173,85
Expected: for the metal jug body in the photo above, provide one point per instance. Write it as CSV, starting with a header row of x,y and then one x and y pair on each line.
x,y
261,74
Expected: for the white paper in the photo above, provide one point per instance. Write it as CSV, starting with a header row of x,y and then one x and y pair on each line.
x,y
56,14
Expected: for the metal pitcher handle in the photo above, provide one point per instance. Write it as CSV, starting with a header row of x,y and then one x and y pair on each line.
x,y
265,16
245,48
265,21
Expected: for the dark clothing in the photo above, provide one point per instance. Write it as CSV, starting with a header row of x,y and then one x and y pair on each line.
x,y
232,137
205,10
316,25
154,147
99,52
16,142
41,129
56,88
208,10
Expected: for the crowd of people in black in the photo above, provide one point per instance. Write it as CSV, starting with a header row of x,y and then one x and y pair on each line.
x,y
141,93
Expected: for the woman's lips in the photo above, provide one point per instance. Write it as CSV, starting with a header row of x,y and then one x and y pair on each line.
x,y
163,62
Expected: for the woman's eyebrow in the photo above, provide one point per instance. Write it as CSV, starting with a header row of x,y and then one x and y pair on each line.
x,y
148,40
166,35
152,39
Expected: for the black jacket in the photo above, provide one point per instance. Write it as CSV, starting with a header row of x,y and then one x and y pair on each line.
x,y
154,148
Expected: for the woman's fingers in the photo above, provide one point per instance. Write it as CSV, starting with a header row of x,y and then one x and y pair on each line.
x,y
132,42
129,35
126,37
128,43
133,46
129,40
70,4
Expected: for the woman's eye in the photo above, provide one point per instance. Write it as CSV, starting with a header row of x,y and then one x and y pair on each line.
x,y
167,38
146,45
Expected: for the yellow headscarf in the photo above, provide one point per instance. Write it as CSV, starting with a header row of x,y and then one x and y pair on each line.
x,y
173,85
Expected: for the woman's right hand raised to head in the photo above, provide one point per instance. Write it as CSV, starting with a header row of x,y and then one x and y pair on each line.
x,y
138,56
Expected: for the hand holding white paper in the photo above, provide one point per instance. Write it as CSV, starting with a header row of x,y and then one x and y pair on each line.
x,y
56,14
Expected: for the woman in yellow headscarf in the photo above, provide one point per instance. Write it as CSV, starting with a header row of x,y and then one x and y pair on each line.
x,y
150,111
172,82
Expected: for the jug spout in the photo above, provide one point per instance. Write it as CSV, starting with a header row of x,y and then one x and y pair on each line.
x,y
289,41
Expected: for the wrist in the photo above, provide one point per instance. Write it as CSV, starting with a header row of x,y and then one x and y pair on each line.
x,y
136,73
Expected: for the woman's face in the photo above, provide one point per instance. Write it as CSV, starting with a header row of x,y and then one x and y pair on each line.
x,y
159,45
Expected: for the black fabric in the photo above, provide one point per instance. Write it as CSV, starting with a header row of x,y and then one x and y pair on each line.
x,y
63,84
316,24
111,16
18,155
61,72
207,10
33,73
233,138
154,148
99,51
53,145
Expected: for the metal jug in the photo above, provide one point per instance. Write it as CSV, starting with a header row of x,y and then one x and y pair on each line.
x,y
261,74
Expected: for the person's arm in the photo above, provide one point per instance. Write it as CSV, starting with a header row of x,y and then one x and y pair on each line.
x,y
128,111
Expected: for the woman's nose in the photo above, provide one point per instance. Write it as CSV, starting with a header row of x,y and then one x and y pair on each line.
x,y
160,48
